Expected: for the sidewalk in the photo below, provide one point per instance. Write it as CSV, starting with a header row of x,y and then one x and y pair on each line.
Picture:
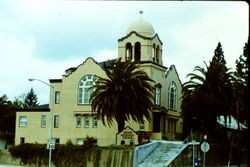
x,y
6,165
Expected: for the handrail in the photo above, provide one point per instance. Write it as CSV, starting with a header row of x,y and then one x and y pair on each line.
x,y
186,140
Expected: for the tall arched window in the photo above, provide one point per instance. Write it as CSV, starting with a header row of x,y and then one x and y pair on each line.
x,y
172,96
128,52
85,89
157,54
153,52
137,51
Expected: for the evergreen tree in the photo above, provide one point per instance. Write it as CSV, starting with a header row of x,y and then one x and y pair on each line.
x,y
242,66
241,94
208,94
241,83
8,117
30,99
219,55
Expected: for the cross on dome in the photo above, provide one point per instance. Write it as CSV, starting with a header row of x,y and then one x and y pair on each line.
x,y
141,12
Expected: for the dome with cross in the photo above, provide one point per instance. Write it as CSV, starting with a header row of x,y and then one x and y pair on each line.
x,y
141,27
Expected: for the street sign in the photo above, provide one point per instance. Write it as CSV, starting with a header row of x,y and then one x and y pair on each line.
x,y
51,144
205,146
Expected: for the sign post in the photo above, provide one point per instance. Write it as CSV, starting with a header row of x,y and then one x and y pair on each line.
x,y
205,147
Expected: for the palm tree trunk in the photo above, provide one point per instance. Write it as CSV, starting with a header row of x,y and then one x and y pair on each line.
x,y
121,123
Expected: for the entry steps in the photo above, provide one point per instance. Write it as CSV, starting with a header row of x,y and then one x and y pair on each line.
x,y
163,154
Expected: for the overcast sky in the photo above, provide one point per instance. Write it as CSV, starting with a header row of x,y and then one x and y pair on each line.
x,y
41,39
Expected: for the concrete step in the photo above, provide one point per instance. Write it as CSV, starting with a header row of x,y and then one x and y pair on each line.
x,y
163,154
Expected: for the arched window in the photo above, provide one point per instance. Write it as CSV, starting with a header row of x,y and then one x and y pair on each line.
x,y
85,89
137,51
172,96
153,52
128,52
157,54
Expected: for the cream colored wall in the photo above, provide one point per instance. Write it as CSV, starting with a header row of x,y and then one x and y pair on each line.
x,y
33,131
173,76
146,51
69,107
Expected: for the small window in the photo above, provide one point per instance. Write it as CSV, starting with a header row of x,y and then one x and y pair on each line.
x,y
22,140
137,51
22,121
86,121
128,52
43,121
78,121
57,97
56,121
158,94
79,141
57,140
141,127
94,121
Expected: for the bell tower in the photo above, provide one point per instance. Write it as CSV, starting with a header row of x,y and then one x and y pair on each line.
x,y
140,44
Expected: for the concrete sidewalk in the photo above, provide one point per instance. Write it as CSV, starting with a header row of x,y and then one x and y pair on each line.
x,y
6,165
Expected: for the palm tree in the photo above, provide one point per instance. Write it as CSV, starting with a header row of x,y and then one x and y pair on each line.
x,y
208,94
126,94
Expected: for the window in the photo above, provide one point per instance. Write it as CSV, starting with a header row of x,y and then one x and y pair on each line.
x,y
158,94
79,141
43,121
128,52
22,121
137,51
57,140
22,140
86,121
153,52
157,54
57,97
171,125
78,121
94,121
141,127
172,96
85,89
56,121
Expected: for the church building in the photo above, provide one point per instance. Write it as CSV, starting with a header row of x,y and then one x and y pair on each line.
x,y
71,105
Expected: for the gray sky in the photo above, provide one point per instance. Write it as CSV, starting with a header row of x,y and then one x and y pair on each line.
x,y
41,39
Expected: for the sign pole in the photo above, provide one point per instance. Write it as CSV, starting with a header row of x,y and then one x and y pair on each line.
x,y
204,159
205,147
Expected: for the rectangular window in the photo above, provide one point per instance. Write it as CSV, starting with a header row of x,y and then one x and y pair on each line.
x,y
56,121
78,121
79,141
87,94
141,127
22,121
22,140
94,121
86,121
57,140
57,97
43,121
157,96
80,90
